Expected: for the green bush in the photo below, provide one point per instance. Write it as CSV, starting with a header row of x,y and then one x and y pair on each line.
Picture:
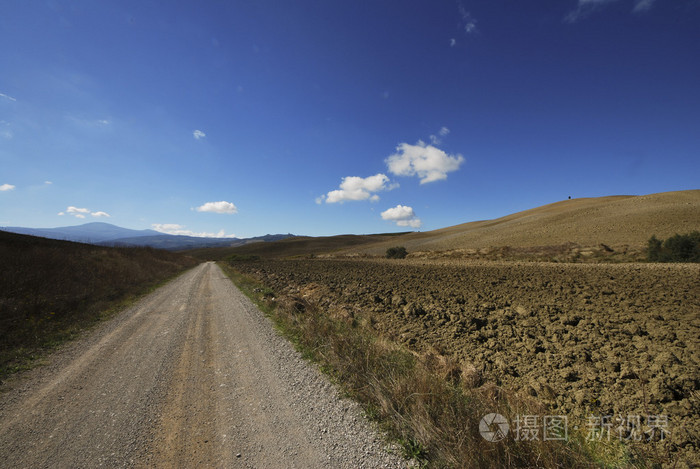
x,y
677,248
398,252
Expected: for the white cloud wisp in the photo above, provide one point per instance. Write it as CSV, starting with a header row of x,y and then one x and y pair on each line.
x,y
402,216
179,230
6,187
218,207
83,212
357,188
584,8
428,162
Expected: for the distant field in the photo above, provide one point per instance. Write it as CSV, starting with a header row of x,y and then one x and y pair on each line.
x,y
50,290
611,229
293,247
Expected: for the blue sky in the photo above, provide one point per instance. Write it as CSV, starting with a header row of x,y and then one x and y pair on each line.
x,y
327,117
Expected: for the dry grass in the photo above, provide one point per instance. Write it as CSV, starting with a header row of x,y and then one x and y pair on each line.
x,y
617,221
50,290
429,404
602,229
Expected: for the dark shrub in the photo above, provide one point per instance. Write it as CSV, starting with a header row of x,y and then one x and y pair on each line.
x,y
677,248
654,249
398,252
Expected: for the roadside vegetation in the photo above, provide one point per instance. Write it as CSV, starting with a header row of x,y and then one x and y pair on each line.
x,y
51,290
428,403
677,248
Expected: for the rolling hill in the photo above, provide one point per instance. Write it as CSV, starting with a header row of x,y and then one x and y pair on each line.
x,y
613,221
623,221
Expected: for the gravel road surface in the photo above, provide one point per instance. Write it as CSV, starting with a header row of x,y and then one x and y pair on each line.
x,y
193,375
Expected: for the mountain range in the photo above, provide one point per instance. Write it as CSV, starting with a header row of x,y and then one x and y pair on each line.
x,y
106,234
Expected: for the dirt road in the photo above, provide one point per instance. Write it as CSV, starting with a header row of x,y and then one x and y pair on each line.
x,y
191,376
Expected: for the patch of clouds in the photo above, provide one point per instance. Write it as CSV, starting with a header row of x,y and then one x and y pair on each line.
x,y
10,98
453,42
642,5
585,8
353,188
468,19
218,207
179,230
7,188
402,215
427,162
436,139
48,183
83,212
198,134
6,132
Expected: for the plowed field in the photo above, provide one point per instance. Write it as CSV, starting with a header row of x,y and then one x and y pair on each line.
x,y
587,340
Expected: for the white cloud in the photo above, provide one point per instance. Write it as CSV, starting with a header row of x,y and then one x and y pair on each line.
x,y
218,207
429,163
7,187
402,216
357,188
435,139
48,183
585,7
82,212
642,5
453,42
469,20
3,95
179,230
197,134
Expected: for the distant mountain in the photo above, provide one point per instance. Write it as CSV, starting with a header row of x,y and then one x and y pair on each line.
x,y
92,233
106,234
178,243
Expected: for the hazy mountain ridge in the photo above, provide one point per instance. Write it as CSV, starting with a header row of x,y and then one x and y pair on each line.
x,y
106,234
90,233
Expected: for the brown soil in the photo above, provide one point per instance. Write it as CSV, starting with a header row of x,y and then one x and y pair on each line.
x,y
585,339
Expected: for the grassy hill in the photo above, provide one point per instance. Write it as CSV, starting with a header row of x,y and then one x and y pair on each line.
x,y
618,222
50,290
